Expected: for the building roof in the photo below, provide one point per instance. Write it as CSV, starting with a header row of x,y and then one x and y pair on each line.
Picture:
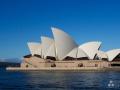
x,y
35,48
112,54
81,53
73,53
91,48
63,43
102,54
51,51
46,43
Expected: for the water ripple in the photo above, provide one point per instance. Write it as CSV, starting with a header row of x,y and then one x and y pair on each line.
x,y
59,80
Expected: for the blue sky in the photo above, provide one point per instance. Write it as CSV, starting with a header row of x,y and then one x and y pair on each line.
x,y
22,21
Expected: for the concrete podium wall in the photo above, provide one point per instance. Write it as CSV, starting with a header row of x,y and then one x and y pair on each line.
x,y
35,62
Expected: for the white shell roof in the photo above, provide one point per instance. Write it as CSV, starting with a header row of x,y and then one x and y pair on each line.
x,y
102,54
46,43
90,48
112,54
81,53
51,51
35,48
63,43
73,53
77,53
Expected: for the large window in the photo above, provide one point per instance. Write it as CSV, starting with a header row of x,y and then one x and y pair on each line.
x,y
113,65
69,58
117,58
36,55
51,58
83,58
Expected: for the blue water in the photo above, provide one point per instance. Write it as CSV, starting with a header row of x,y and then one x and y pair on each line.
x,y
59,80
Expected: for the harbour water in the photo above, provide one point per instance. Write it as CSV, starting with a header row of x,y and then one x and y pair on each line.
x,y
59,80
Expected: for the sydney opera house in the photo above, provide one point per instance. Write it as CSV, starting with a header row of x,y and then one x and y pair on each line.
x,y
62,53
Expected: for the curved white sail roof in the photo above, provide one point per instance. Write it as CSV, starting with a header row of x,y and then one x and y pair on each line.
x,y
102,54
63,43
81,53
35,48
51,51
73,53
90,48
77,53
112,54
46,43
